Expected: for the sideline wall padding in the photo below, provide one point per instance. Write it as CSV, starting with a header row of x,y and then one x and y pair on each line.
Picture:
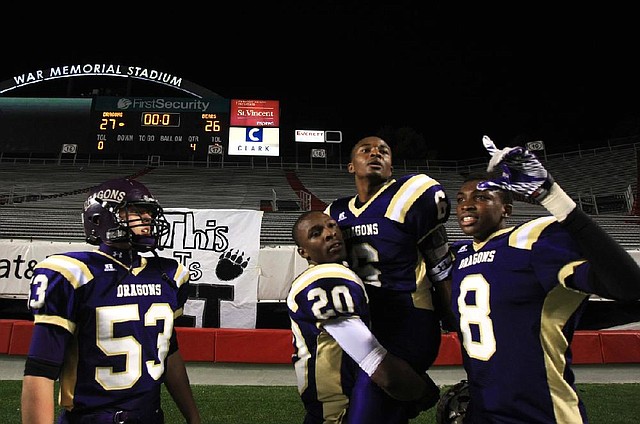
x,y
254,346
586,348
265,346
20,337
6,326
196,344
620,346
449,353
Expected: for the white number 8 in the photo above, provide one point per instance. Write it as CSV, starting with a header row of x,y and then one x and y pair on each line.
x,y
476,315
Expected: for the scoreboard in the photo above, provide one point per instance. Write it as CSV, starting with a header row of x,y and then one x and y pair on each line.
x,y
43,125
158,125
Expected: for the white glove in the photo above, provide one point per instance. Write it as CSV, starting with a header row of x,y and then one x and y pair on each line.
x,y
522,172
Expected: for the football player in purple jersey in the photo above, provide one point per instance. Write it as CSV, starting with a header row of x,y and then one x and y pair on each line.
x,y
329,320
104,319
519,292
397,244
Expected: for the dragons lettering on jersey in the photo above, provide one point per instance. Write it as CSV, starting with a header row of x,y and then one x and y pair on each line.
x,y
477,258
129,290
361,230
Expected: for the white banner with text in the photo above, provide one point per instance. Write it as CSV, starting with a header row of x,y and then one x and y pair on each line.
x,y
221,249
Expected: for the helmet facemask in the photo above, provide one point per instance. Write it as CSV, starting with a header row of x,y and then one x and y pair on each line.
x,y
116,209
148,216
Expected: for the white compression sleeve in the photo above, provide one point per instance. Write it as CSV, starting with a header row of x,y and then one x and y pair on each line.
x,y
558,202
356,339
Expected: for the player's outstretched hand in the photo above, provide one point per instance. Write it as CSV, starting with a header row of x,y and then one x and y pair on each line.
x,y
522,172
431,395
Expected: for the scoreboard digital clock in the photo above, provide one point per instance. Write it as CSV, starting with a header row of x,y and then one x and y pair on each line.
x,y
160,119
158,125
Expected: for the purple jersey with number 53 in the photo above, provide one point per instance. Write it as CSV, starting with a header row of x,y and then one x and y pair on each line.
x,y
121,322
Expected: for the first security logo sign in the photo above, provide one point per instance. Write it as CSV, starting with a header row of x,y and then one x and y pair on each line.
x,y
254,141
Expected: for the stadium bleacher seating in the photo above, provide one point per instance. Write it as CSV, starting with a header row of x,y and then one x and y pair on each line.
x,y
43,201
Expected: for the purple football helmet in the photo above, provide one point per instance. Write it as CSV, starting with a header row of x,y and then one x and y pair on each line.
x,y
102,221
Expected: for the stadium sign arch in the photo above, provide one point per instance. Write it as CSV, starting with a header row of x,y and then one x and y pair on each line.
x,y
114,70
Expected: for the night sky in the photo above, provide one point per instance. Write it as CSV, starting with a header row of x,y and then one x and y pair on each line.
x,y
567,77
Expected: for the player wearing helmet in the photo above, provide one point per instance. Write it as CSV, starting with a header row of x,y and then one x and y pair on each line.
x,y
104,319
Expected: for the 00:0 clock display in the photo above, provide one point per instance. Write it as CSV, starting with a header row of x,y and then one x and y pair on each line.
x,y
160,119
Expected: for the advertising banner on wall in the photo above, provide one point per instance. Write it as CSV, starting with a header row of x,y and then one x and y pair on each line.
x,y
254,141
254,113
309,136
221,249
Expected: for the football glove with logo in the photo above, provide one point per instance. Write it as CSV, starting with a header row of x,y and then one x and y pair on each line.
x,y
522,172
453,404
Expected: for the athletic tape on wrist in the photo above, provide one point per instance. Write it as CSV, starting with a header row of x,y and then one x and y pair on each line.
x,y
370,363
558,202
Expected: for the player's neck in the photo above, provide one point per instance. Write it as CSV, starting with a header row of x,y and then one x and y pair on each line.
x,y
126,256
368,187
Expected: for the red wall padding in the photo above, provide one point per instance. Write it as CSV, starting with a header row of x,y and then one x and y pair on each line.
x,y
20,337
6,326
196,344
254,346
449,353
620,346
263,346
586,348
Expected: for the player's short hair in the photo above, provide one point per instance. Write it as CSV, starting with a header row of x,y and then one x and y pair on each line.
x,y
303,217
505,195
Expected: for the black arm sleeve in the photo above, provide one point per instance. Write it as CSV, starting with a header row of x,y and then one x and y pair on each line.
x,y
41,368
613,273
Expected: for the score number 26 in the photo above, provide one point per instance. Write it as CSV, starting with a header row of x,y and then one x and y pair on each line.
x,y
211,124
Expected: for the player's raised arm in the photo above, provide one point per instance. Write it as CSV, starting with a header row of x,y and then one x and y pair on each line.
x,y
614,274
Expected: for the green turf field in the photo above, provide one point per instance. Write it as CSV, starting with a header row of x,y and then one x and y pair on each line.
x,y
606,403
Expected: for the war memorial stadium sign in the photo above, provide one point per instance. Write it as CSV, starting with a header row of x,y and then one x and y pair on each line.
x,y
105,70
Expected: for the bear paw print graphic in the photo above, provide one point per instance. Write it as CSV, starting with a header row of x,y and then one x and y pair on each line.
x,y
231,265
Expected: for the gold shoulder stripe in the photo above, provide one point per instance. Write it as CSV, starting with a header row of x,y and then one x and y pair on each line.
x,y
524,236
178,313
407,195
181,276
72,269
55,320
568,270
316,272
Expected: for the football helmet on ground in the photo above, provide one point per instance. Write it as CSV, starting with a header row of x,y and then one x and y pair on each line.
x,y
453,403
106,215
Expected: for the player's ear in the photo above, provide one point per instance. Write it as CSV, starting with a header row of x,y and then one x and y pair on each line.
x,y
302,252
508,210
350,168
